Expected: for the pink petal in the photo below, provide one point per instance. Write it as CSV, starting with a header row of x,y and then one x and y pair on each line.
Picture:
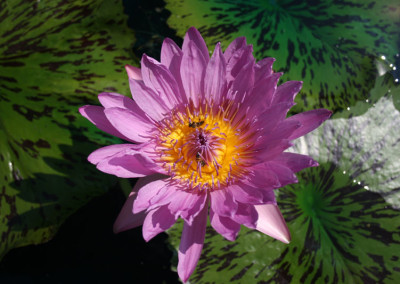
x,y
128,163
263,178
146,192
169,52
222,202
194,37
264,188
240,58
245,193
157,221
126,219
261,95
273,148
141,182
225,226
95,114
287,92
159,79
187,205
273,115
171,57
193,66
244,81
108,151
271,222
268,196
263,68
133,72
295,162
309,121
246,215
148,100
109,100
163,197
285,175
283,130
112,100
191,245
237,44
265,88
130,124
215,76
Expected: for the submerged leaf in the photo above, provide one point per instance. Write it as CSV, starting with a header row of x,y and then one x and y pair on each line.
x,y
328,45
343,215
55,56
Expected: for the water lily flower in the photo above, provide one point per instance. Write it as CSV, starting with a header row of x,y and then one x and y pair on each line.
x,y
206,136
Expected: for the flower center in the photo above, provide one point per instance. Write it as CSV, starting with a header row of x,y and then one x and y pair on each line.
x,y
204,148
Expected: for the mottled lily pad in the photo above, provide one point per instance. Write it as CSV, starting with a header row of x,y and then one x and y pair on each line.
x,y
343,215
55,57
330,45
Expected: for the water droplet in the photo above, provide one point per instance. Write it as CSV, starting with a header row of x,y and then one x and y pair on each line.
x,y
354,181
344,172
366,100
394,68
366,187
383,57
396,80
348,108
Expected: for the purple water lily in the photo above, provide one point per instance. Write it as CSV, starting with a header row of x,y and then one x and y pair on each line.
x,y
206,136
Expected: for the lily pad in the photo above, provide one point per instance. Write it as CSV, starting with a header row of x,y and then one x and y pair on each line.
x,y
330,45
343,215
56,56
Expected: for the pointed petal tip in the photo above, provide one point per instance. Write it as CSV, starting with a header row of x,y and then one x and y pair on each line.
x,y
314,164
271,222
183,275
126,221
286,240
147,236
117,228
192,29
83,112
133,72
145,58
82,108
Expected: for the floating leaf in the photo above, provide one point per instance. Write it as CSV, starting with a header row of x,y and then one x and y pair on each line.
x,y
55,57
330,45
343,215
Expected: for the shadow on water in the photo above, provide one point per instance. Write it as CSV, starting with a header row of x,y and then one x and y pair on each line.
x,y
85,249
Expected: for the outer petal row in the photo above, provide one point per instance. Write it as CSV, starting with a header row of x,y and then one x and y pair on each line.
x,y
118,113
124,160
191,245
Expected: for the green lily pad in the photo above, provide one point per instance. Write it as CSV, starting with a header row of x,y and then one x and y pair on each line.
x,y
343,215
56,57
329,45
